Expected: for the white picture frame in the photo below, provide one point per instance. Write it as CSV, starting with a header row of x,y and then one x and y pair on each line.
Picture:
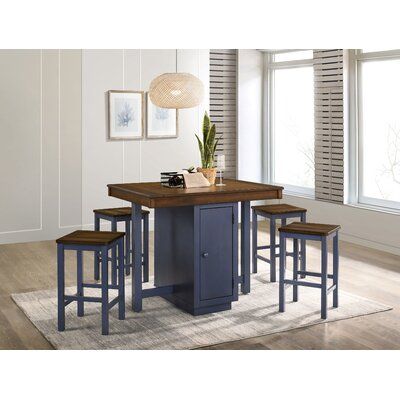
x,y
125,115
161,123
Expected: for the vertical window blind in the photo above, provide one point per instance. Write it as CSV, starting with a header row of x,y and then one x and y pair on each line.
x,y
223,104
328,114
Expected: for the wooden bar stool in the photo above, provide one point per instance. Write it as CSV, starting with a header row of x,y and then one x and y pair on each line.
x,y
274,212
309,231
123,214
100,242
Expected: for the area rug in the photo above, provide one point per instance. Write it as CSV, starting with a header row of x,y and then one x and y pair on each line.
x,y
163,326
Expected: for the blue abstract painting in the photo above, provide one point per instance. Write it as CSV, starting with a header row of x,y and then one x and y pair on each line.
x,y
125,114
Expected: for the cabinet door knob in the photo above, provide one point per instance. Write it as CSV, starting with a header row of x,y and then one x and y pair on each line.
x,y
205,255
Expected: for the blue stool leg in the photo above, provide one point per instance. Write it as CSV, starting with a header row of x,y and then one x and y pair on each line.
x,y
121,280
127,247
324,278
283,223
114,272
272,249
104,291
79,282
96,253
146,248
303,249
254,241
295,267
282,268
60,287
336,270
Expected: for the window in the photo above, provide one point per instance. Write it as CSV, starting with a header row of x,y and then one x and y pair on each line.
x,y
291,122
293,55
378,102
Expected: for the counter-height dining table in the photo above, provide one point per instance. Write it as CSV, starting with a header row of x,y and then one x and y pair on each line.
x,y
196,248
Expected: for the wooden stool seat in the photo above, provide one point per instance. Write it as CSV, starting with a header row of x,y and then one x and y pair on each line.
x,y
274,209
308,228
118,212
90,238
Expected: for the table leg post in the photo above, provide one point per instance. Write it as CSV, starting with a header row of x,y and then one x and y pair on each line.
x,y
245,246
137,257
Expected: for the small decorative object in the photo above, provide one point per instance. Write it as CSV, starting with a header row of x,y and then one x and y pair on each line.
x,y
207,149
162,123
125,114
172,179
220,168
176,90
195,180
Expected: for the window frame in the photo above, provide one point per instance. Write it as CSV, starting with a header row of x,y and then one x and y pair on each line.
x,y
356,196
269,164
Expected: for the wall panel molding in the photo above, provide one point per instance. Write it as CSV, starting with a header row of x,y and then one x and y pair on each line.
x,y
21,158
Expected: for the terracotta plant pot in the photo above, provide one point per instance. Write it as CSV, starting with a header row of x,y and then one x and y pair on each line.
x,y
209,173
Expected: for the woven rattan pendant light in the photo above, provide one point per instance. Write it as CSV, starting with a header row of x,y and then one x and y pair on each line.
x,y
176,90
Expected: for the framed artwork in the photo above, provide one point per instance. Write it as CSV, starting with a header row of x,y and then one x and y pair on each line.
x,y
162,123
125,114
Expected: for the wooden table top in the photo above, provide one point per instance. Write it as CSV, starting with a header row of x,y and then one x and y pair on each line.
x,y
153,194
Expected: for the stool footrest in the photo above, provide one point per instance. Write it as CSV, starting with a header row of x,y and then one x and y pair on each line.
x,y
267,260
70,298
333,287
113,302
265,247
317,274
98,286
302,283
90,299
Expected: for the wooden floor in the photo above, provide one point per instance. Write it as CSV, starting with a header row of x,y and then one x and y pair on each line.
x,y
369,273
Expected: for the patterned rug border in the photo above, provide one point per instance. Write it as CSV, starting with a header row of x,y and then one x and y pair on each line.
x,y
383,308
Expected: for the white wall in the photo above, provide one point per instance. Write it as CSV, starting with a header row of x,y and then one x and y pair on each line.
x,y
54,155
40,133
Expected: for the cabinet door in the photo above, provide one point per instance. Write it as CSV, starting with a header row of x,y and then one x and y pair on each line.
x,y
216,252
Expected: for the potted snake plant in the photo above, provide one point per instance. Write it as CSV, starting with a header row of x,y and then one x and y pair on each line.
x,y
207,148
